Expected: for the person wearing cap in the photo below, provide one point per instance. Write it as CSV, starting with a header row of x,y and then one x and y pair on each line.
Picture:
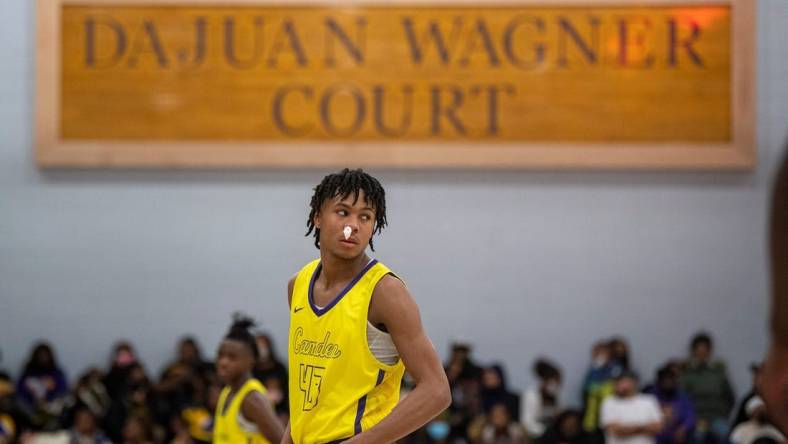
x,y
629,417
757,428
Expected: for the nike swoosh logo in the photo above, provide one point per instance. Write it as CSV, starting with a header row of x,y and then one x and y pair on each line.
x,y
297,309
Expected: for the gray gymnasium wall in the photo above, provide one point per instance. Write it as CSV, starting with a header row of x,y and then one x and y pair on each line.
x,y
519,263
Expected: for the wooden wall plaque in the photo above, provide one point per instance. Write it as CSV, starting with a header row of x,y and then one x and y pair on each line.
x,y
518,84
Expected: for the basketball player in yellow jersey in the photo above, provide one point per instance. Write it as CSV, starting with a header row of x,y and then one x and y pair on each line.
x,y
243,414
773,383
354,328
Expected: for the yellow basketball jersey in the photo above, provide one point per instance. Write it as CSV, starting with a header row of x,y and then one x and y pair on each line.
x,y
226,429
337,386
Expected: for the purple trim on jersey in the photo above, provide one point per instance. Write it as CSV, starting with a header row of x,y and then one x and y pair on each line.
x,y
362,404
321,311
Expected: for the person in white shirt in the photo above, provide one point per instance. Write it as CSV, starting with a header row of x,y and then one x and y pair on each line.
x,y
757,427
541,404
630,417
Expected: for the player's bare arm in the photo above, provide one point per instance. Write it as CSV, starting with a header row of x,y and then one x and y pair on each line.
x,y
393,308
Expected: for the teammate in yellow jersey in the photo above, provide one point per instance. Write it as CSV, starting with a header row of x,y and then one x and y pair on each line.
x,y
244,414
773,383
354,328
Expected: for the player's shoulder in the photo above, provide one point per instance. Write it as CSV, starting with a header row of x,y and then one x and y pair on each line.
x,y
291,281
390,284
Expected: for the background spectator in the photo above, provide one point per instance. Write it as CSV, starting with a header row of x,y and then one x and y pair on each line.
x,y
677,411
272,373
464,377
42,389
741,412
706,383
500,428
494,390
541,404
86,430
598,385
757,427
566,429
122,359
629,417
137,430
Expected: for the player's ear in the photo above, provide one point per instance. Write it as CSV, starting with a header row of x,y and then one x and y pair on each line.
x,y
316,220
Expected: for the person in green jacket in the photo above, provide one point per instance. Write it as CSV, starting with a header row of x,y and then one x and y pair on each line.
x,y
706,382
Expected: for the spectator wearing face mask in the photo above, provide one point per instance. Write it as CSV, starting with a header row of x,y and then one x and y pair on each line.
x,y
598,385
541,404
677,410
757,428
438,430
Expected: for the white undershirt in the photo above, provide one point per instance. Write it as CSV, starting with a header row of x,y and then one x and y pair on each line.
x,y
379,342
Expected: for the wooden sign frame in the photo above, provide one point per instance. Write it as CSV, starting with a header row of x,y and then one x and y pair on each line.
x,y
52,151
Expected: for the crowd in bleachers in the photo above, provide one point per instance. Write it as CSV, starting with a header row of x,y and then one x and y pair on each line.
x,y
687,401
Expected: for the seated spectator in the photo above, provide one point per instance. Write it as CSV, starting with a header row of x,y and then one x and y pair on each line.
x,y
42,389
464,377
272,373
179,429
437,431
598,384
757,427
629,417
123,359
498,428
541,404
9,430
137,430
135,399
677,411
182,384
86,430
91,393
741,412
460,366
495,391
199,417
619,355
566,429
706,382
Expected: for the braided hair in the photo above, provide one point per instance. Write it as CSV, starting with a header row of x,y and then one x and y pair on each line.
x,y
342,185
239,331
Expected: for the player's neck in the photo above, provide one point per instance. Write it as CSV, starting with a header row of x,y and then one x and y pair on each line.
x,y
339,270
238,383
